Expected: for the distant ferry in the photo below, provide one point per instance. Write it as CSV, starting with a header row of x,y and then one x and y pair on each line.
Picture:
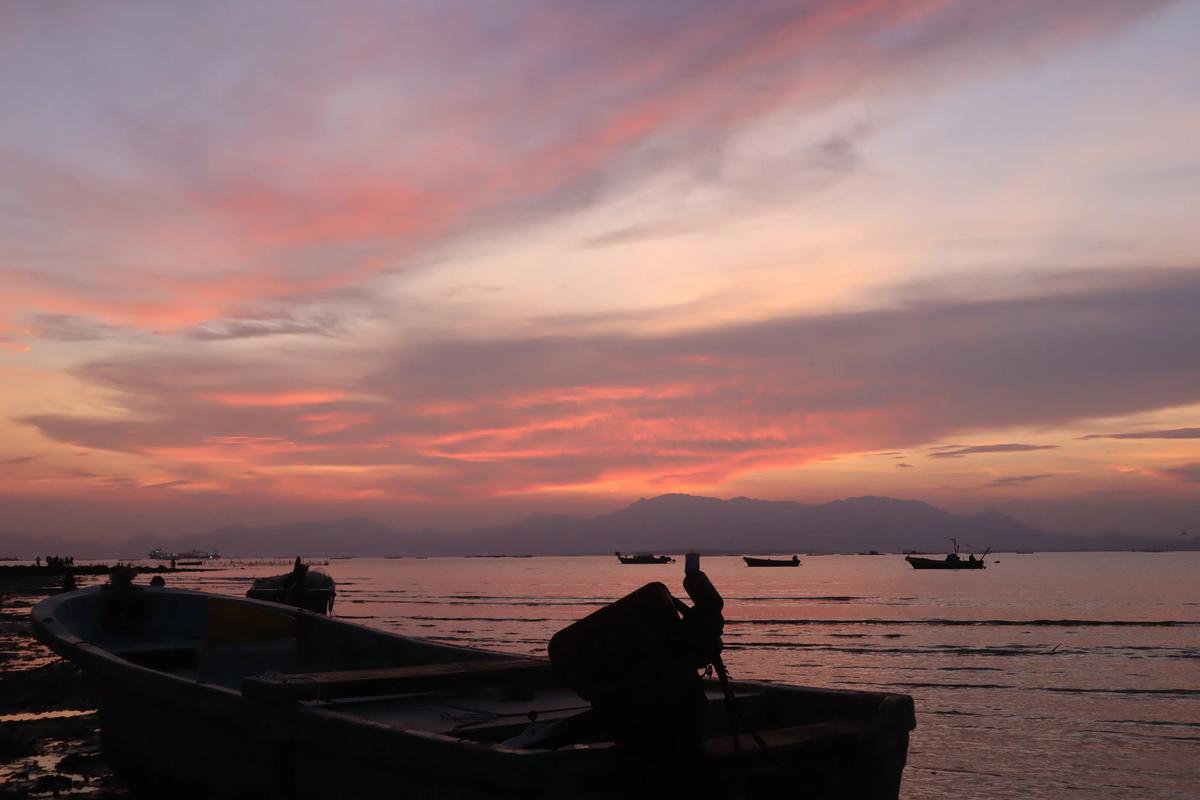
x,y
158,554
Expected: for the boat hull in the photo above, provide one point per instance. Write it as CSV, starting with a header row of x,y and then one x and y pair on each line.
x,y
770,562
318,601
177,719
302,588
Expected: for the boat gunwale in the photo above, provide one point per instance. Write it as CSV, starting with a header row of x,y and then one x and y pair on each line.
x,y
163,685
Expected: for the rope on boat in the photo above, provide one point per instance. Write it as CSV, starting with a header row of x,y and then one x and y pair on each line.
x,y
735,721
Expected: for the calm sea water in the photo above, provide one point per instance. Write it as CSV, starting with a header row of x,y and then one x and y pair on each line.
x,y
1056,675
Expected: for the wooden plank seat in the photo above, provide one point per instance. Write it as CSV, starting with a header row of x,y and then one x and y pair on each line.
x,y
389,680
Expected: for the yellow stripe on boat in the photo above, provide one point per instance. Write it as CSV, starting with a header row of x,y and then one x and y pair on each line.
x,y
237,622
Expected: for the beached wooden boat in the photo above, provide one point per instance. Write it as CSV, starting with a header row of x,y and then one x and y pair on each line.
x,y
211,696
643,558
751,561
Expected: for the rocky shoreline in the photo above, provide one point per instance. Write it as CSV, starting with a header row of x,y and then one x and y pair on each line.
x,y
49,724
52,576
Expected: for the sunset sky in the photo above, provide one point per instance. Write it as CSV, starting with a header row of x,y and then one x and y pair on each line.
x,y
448,264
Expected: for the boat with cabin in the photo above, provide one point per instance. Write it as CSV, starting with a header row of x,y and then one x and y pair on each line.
x,y
951,561
203,695
643,558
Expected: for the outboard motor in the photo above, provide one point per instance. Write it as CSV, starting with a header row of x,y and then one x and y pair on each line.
x,y
636,661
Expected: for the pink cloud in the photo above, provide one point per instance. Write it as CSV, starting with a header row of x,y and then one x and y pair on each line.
x,y
258,201
470,418
298,397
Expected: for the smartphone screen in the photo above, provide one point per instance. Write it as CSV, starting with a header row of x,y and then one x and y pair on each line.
x,y
691,563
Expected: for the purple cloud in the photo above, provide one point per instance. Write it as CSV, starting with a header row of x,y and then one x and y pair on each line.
x,y
1185,472
991,448
1018,480
257,328
1173,433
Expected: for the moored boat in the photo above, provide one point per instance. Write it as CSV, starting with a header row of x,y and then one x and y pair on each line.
x,y
643,558
794,561
210,696
951,561
302,587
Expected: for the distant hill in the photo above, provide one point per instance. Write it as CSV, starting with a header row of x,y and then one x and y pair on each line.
x,y
668,523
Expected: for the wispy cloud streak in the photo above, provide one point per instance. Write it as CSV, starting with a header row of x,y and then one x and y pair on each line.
x,y
1019,480
1173,433
959,452
334,146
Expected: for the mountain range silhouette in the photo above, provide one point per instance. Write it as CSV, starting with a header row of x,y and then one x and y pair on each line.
x,y
667,523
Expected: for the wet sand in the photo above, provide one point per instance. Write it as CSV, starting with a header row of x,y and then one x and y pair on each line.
x,y
49,726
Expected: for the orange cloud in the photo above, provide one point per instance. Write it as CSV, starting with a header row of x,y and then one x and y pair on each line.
x,y
314,397
333,422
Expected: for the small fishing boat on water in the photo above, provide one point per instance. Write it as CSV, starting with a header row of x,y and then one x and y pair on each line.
x,y
643,558
951,561
302,587
204,695
794,561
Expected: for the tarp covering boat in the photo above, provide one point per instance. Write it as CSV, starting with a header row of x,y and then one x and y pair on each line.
x,y
302,587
